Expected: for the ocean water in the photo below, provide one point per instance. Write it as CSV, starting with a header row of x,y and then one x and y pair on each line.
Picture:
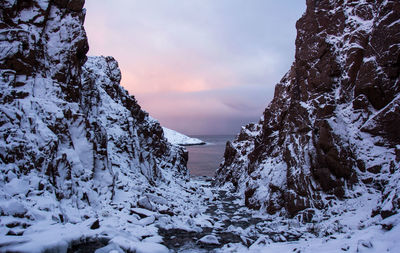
x,y
204,160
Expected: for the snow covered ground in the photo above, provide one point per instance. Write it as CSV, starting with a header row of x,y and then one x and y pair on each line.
x,y
180,139
123,226
197,217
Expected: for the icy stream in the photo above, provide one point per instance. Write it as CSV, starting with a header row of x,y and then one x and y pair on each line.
x,y
230,223
225,221
225,215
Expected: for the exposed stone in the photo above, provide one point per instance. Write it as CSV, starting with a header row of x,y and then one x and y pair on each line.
x,y
95,225
374,169
397,150
75,5
385,123
360,102
345,78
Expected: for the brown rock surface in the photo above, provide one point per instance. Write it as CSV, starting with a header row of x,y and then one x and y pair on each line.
x,y
335,113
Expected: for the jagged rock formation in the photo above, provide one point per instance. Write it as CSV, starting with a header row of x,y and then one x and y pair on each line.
x,y
333,123
72,140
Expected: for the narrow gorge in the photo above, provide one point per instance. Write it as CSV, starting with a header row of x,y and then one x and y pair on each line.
x,y
85,169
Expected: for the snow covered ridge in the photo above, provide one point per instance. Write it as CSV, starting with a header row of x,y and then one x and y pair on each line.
x,y
180,139
331,132
76,150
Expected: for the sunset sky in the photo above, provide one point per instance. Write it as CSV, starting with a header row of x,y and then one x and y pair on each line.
x,y
198,66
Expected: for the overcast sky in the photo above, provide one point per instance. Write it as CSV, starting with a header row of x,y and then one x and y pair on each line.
x,y
198,66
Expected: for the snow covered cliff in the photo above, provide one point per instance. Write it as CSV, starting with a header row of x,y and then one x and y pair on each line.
x,y
75,147
331,133
180,139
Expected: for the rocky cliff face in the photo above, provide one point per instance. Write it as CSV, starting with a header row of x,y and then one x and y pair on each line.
x,y
332,130
72,140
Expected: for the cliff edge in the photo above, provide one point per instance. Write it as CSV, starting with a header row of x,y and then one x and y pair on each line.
x,y
75,147
331,131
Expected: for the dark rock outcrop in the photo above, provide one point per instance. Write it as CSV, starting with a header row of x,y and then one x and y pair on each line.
x,y
333,122
69,133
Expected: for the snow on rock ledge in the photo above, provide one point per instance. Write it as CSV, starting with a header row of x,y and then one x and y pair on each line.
x,y
76,150
180,139
331,132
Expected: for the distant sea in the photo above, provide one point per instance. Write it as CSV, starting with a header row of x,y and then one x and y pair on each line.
x,y
204,160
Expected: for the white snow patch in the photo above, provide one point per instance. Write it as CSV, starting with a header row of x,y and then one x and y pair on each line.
x,y
180,139
209,239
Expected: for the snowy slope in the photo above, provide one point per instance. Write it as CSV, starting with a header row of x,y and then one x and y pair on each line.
x,y
330,136
78,156
180,139
325,153
331,125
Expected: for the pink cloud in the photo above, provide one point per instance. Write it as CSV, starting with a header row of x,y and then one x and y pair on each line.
x,y
184,61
